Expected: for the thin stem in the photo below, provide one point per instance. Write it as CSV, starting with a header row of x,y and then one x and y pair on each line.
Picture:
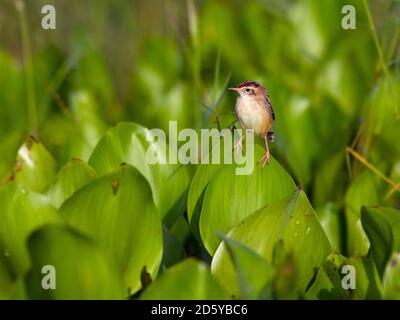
x,y
379,173
380,55
392,190
195,57
29,72
375,37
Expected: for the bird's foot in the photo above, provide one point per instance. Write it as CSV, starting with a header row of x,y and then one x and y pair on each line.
x,y
239,147
264,160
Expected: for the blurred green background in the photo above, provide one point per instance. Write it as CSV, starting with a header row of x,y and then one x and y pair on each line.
x,y
335,92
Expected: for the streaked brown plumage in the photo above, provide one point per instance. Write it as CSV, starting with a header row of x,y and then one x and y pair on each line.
x,y
254,111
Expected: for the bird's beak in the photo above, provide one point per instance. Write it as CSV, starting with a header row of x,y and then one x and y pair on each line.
x,y
234,89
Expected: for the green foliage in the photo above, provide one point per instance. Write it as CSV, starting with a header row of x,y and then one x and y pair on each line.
x,y
292,221
189,279
74,175
22,211
252,272
34,168
229,198
82,269
382,226
131,143
117,210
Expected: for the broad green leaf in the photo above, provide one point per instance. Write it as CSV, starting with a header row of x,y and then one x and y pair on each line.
x,y
229,197
251,272
321,288
328,284
382,226
391,278
35,168
291,220
368,283
74,175
117,210
197,189
332,221
284,284
363,191
339,274
129,143
21,212
188,280
81,268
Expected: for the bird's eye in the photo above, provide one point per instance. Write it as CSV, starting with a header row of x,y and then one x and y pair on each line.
x,y
248,90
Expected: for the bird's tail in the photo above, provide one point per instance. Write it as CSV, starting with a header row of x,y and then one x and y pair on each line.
x,y
271,136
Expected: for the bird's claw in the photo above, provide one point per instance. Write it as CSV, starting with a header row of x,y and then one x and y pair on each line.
x,y
264,160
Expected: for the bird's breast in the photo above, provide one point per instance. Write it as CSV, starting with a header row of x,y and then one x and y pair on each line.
x,y
253,115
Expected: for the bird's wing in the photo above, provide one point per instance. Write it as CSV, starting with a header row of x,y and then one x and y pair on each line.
x,y
268,105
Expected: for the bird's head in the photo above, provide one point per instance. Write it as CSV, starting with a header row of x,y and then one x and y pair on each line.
x,y
249,89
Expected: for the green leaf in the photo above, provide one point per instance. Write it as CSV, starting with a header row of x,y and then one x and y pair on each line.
x,y
332,221
82,270
291,220
382,226
21,212
129,143
117,210
391,278
229,197
35,167
368,283
251,272
197,189
74,175
339,271
363,191
188,280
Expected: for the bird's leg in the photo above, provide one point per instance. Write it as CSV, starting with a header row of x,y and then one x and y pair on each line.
x,y
265,159
239,145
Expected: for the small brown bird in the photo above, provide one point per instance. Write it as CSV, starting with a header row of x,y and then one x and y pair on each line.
x,y
254,111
